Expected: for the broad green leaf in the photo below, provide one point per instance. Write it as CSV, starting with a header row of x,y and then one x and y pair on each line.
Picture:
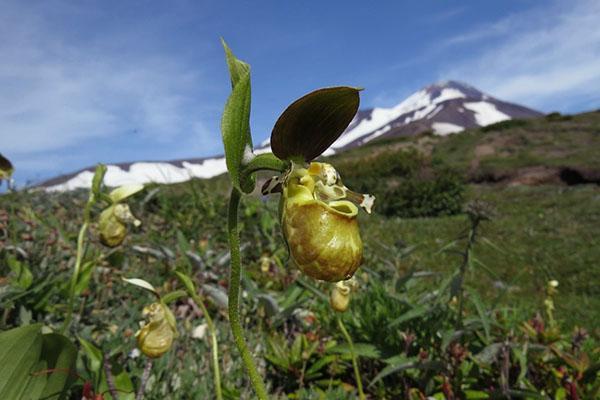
x,y
34,365
313,122
60,354
360,349
141,283
123,192
19,354
235,123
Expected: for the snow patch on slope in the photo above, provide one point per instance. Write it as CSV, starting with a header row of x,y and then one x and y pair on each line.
x,y
147,172
420,104
486,113
446,128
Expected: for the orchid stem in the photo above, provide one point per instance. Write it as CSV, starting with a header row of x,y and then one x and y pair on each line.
x,y
215,349
234,295
361,394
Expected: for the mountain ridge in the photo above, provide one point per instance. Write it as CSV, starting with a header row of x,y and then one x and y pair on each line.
x,y
444,108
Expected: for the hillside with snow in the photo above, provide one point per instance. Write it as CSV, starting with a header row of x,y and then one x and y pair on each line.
x,y
443,108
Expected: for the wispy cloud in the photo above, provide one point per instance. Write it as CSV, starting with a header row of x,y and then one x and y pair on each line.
x,y
60,89
548,57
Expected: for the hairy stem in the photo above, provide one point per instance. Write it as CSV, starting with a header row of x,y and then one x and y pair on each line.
x,y
213,339
234,295
110,380
361,394
145,375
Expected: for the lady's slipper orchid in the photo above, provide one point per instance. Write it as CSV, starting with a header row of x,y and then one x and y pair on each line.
x,y
318,213
113,220
319,222
155,338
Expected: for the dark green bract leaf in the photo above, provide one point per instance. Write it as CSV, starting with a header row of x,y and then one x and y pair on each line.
x,y
313,122
235,123
33,365
6,168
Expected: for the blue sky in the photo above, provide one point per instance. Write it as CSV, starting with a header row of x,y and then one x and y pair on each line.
x,y
108,81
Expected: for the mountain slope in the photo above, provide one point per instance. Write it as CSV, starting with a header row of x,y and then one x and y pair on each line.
x,y
443,108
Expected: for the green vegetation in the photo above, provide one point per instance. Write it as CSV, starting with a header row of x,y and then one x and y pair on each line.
x,y
536,234
466,291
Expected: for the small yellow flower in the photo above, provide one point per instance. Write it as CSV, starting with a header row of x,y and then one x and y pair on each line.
x,y
339,299
113,224
156,337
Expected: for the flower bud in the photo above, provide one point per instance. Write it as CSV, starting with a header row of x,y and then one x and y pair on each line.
x,y
113,224
320,224
339,299
156,337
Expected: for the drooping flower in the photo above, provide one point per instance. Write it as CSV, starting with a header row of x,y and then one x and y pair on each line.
x,y
155,338
113,221
318,213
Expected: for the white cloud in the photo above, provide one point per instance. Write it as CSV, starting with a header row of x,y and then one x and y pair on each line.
x,y
546,57
60,88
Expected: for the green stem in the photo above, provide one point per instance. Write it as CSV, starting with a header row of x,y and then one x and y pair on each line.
x,y
361,394
235,277
264,162
215,349
74,277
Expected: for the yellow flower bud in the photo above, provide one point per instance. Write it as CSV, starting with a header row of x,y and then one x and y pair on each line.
x,y
156,337
339,299
113,224
320,224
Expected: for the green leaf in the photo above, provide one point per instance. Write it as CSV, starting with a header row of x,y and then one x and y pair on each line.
x,y
400,365
83,280
237,68
360,349
19,354
483,317
235,123
98,178
24,278
33,365
489,353
122,382
187,282
123,192
172,296
60,354
412,314
6,168
476,394
313,122
142,283
94,356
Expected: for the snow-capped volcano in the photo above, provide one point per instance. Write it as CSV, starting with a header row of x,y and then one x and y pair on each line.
x,y
443,108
